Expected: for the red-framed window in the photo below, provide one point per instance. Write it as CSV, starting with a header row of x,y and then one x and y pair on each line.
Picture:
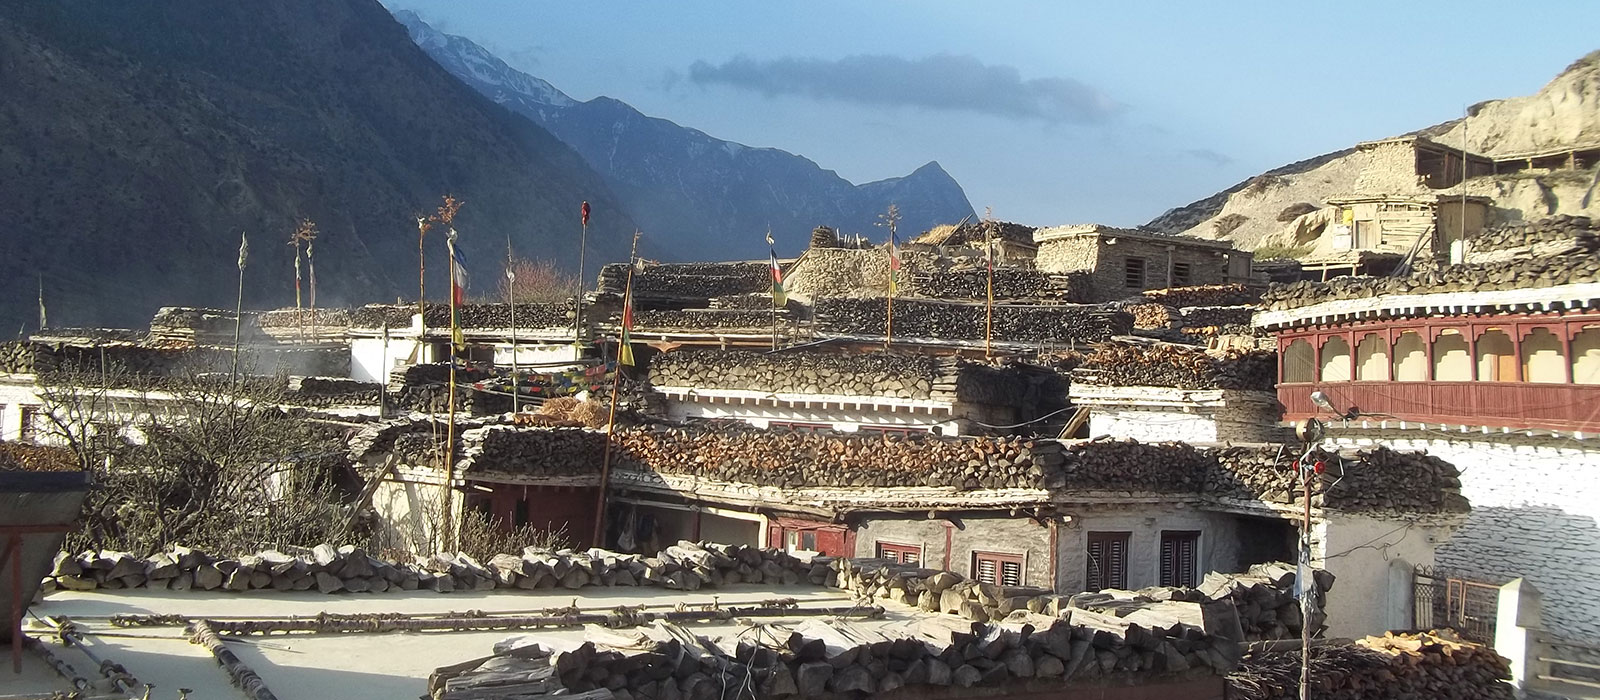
x,y
799,426
997,568
902,553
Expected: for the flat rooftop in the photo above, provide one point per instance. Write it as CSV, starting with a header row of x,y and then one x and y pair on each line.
x,y
305,666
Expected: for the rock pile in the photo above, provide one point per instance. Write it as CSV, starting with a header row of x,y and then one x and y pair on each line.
x,y
807,371
706,319
330,569
1577,265
688,280
836,658
1391,667
1164,365
1064,323
1205,295
1264,599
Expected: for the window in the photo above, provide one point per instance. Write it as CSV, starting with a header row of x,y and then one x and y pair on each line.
x,y
902,553
998,569
1133,273
799,427
1182,274
1299,362
1372,359
1180,557
1451,360
1544,361
1586,356
1497,357
803,540
30,424
1107,561
1335,360
519,515
1410,358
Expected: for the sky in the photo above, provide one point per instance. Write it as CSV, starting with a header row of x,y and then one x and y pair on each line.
x,y
1047,112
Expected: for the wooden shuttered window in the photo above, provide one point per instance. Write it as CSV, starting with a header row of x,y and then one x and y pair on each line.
x,y
1133,273
1107,561
998,569
901,553
1180,557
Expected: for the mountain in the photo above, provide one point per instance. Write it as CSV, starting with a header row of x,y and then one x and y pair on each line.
x,y
142,138
708,198
1564,114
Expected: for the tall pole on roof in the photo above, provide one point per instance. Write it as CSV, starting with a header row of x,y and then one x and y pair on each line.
x,y
423,224
238,315
891,219
616,387
446,217
988,309
577,316
511,301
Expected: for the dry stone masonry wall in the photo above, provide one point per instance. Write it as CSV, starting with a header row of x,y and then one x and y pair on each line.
x,y
688,280
1129,364
1209,295
1526,236
866,374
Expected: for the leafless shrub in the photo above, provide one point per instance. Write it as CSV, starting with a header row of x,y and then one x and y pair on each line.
x,y
537,282
483,536
1295,211
1229,223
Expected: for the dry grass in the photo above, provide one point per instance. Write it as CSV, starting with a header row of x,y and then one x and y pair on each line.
x,y
1295,211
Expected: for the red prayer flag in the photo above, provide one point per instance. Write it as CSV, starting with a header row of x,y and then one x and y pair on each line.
x,y
585,213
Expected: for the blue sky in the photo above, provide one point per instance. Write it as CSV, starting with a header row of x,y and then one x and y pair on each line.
x,y
1049,112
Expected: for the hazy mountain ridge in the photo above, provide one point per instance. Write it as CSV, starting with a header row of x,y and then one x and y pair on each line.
x,y
1564,113
709,198
142,138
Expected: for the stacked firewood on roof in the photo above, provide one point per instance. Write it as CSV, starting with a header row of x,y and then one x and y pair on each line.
x,y
706,319
323,319
1523,234
808,371
1204,295
688,280
1433,664
23,457
193,325
378,315
1576,264
1010,283
1369,480
1059,324
1166,365
498,316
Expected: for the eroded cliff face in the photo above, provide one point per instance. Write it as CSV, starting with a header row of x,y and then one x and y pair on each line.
x,y
1266,211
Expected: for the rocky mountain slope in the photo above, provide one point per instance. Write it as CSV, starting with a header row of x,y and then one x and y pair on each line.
x,y
1565,113
712,199
142,138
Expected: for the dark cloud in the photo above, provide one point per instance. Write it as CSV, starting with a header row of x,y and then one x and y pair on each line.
x,y
942,81
1209,156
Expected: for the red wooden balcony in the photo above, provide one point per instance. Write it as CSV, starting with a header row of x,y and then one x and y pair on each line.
x,y
1560,407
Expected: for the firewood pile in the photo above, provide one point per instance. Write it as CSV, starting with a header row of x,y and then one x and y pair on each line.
x,y
1394,666
195,325
23,457
329,569
1202,316
972,283
750,302
332,391
1178,366
1577,265
705,319
378,315
807,371
499,315
1204,295
1379,480
836,658
951,321
557,452
688,280
1152,316
283,319
1523,234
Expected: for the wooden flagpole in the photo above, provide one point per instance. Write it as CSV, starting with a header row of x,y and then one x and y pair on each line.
x,y
511,301
988,312
611,420
450,428
422,314
238,316
577,317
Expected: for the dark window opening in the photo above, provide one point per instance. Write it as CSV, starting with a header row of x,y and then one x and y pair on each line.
x,y
520,513
1182,275
998,569
1107,561
1133,273
901,553
1263,540
1180,558
30,424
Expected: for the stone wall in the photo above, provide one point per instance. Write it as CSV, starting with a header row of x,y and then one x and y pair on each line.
x,y
1144,523
993,533
840,272
1130,364
1535,505
1254,421
1521,239
688,280
1109,264
1389,168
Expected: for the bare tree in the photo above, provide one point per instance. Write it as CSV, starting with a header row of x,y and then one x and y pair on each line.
x,y
537,282
186,460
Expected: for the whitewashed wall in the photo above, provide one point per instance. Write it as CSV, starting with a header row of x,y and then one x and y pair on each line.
x,y
1536,503
1372,560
